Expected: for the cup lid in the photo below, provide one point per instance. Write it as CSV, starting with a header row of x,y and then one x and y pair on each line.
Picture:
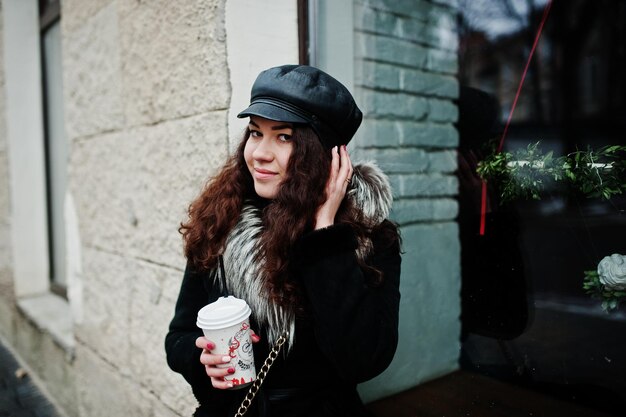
x,y
225,312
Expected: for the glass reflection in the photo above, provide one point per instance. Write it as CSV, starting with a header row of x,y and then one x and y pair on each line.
x,y
526,318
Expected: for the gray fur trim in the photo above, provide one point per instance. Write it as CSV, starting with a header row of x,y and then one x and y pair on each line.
x,y
243,277
371,193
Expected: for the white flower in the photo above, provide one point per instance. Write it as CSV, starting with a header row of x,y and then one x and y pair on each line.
x,y
612,272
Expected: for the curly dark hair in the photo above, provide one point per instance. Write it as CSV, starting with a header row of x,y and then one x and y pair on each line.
x,y
285,219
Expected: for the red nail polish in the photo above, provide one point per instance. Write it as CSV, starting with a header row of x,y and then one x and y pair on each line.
x,y
231,370
210,346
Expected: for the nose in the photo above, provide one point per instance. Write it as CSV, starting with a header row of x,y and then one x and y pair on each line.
x,y
263,150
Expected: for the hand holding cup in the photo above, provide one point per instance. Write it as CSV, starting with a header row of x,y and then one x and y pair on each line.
x,y
211,362
227,343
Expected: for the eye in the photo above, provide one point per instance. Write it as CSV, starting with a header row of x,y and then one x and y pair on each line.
x,y
283,137
255,133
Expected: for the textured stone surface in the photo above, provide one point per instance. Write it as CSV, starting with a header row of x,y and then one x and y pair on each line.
x,y
406,53
378,104
384,76
48,360
5,196
391,50
441,35
442,110
5,224
415,210
154,293
107,296
442,61
433,185
173,59
76,12
3,109
388,133
132,189
126,329
426,83
411,160
429,135
102,388
92,75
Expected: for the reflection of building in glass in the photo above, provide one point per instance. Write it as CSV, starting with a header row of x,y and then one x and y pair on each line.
x,y
574,96
575,79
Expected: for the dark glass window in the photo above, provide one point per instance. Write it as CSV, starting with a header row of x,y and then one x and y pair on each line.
x,y
55,139
526,316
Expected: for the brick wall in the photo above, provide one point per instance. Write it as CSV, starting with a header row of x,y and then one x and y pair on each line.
x,y
405,77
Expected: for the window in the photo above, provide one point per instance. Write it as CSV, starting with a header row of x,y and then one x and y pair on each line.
x,y
526,316
55,142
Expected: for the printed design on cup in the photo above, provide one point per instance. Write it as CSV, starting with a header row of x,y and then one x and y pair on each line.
x,y
240,347
225,322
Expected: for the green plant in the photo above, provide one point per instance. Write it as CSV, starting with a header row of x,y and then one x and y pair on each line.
x,y
525,173
611,299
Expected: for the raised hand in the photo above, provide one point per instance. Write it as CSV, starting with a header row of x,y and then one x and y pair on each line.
x,y
336,187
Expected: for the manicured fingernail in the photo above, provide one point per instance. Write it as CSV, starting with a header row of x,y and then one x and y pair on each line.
x,y
255,338
225,359
231,370
229,385
344,147
210,346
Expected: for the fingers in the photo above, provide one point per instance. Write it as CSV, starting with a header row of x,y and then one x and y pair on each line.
x,y
334,165
336,187
345,171
212,361
204,343
221,384
254,337
340,169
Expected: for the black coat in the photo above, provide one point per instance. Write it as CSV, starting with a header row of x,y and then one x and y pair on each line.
x,y
347,334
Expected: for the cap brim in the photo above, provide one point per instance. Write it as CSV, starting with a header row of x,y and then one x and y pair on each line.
x,y
271,112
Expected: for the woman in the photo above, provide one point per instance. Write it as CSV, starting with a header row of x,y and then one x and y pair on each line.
x,y
303,238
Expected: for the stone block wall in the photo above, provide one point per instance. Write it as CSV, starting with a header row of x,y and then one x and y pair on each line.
x,y
405,77
7,297
6,286
146,94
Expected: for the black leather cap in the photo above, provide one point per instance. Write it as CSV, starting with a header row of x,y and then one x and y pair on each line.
x,y
305,94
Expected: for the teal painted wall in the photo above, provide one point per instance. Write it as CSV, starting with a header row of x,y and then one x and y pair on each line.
x,y
405,82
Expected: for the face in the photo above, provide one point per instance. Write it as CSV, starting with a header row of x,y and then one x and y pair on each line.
x,y
267,154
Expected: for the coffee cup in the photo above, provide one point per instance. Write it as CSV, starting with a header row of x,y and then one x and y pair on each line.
x,y
226,323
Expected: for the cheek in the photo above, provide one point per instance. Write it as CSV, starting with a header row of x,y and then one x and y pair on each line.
x,y
284,156
247,153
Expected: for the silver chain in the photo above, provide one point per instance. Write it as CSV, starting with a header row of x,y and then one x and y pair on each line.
x,y
254,389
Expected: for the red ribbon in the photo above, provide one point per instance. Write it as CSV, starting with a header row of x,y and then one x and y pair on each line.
x,y
483,201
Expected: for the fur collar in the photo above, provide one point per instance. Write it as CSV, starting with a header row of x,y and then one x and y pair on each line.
x,y
371,193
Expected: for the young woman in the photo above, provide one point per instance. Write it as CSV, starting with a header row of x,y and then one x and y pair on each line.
x,y
302,236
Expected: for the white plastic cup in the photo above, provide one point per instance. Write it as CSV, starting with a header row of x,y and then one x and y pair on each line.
x,y
226,323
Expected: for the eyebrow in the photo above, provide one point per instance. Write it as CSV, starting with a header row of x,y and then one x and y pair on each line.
x,y
276,127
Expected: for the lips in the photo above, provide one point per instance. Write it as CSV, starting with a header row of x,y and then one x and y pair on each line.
x,y
263,174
